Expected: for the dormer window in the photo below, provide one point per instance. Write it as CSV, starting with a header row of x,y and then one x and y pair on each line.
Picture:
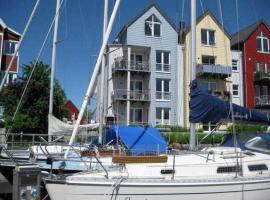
x,y
262,43
152,26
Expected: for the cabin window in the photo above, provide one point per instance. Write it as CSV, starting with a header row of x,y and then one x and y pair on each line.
x,y
260,167
262,43
9,47
167,171
162,61
235,89
235,65
163,116
228,169
163,89
208,37
152,26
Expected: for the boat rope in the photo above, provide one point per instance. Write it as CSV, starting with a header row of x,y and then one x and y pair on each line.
x,y
116,187
19,44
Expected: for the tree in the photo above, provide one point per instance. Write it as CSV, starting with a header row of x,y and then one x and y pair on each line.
x,y
32,116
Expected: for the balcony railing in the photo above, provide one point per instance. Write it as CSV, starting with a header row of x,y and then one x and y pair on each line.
x,y
163,67
259,76
214,70
263,100
135,95
137,66
163,95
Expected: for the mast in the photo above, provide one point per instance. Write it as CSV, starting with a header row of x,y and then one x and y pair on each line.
x,y
102,76
53,59
91,86
192,139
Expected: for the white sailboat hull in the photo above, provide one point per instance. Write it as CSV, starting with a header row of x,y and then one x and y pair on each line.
x,y
234,189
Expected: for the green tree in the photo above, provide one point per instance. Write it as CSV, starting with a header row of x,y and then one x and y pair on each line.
x,y
33,113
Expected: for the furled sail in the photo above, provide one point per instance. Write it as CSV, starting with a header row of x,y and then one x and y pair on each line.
x,y
206,108
58,127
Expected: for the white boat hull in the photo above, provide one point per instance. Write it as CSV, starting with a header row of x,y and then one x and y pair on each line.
x,y
238,189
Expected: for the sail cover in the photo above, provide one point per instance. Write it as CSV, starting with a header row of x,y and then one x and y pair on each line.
x,y
58,127
206,108
137,140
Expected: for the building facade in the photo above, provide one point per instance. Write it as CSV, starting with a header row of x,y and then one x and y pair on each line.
x,y
253,41
8,41
143,71
214,59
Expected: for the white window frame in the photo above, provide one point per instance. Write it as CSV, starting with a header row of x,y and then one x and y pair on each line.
x,y
162,116
152,26
135,61
134,114
208,37
233,90
237,65
162,61
9,42
162,89
261,37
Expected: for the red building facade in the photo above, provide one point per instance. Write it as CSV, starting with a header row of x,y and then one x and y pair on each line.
x,y
8,42
253,41
73,111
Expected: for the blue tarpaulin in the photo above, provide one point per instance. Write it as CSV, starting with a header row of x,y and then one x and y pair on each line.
x,y
137,140
206,108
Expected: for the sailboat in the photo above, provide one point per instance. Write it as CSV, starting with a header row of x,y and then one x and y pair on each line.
x,y
214,173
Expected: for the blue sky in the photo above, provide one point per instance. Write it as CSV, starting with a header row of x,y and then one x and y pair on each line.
x,y
80,30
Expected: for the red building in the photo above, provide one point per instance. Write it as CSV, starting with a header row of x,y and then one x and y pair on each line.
x,y
253,41
73,111
8,41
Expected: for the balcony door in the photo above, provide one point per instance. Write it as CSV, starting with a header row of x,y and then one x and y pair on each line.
x,y
136,115
135,89
265,94
208,60
136,61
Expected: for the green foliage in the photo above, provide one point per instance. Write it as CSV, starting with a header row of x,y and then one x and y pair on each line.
x,y
33,113
174,128
246,128
183,137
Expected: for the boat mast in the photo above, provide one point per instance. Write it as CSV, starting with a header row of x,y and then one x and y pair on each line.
x,y
53,60
91,86
102,76
192,139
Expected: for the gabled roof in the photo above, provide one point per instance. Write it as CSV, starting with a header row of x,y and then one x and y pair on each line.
x,y
246,32
202,16
3,24
142,13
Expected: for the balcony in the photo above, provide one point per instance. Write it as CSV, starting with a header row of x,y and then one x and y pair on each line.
x,y
163,96
132,95
262,101
120,66
216,70
261,76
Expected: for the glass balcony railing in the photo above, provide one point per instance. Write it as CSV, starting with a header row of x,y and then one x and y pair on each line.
x,y
163,67
134,66
263,100
261,75
136,95
163,95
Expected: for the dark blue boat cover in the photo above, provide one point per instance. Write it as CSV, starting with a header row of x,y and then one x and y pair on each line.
x,y
206,108
137,140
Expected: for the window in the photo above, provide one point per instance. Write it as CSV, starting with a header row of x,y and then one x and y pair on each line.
x,y
256,66
136,115
262,43
136,61
208,60
152,26
9,47
208,37
210,86
235,90
163,89
163,116
228,169
135,85
162,61
260,167
235,65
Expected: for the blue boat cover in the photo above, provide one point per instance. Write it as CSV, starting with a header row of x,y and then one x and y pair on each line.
x,y
137,140
206,108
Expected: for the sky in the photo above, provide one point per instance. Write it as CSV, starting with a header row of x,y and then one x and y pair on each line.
x,y
80,30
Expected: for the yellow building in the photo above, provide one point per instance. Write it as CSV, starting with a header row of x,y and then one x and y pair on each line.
x,y
213,59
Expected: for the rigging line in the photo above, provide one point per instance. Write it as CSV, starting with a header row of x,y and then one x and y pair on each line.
x,y
33,69
19,44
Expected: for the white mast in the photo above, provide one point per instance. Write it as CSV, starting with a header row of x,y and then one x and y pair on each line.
x,y
91,86
192,139
53,59
102,76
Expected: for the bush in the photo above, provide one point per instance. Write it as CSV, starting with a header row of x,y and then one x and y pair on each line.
x,y
247,128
